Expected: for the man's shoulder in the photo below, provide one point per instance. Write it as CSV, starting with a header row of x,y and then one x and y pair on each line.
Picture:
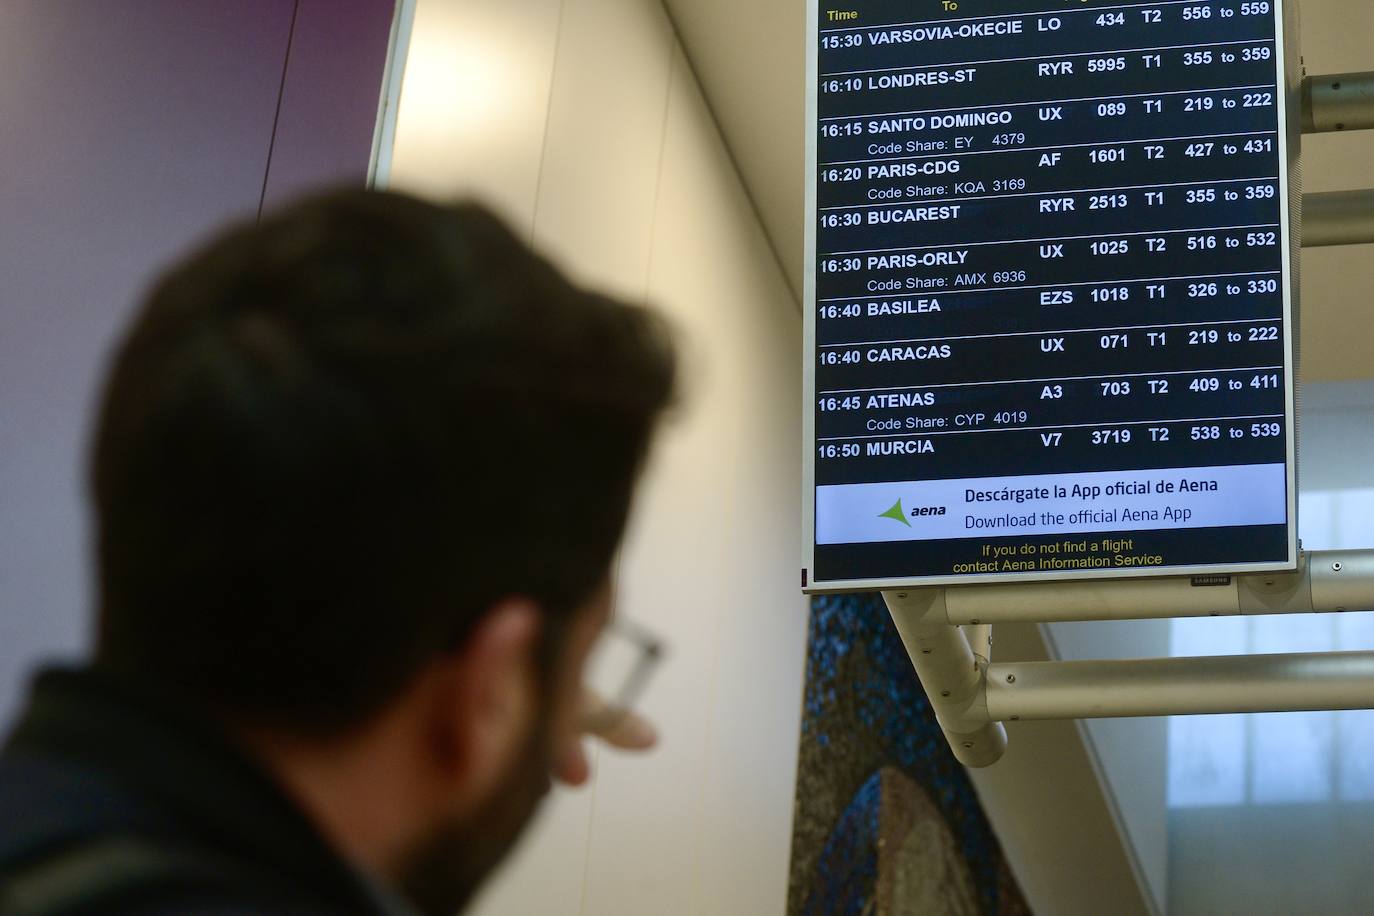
x,y
74,840
132,876
47,803
100,777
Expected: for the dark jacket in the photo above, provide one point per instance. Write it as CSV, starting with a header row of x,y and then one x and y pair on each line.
x,y
114,801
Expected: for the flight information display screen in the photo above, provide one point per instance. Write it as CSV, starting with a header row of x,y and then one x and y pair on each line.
x,y
1050,291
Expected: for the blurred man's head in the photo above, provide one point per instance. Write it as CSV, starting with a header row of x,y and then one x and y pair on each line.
x,y
360,474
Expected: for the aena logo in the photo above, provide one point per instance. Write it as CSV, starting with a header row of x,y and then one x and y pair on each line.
x,y
896,514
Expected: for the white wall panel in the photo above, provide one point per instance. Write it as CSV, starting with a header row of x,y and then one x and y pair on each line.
x,y
761,643
751,57
602,150
474,102
594,214
624,179
712,262
647,827
704,822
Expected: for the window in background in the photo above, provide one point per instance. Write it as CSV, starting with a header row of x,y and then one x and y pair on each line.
x,y
1279,758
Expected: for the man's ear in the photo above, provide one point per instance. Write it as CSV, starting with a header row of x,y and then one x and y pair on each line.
x,y
485,697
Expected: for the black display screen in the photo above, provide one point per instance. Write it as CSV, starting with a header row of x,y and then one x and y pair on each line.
x,y
1050,308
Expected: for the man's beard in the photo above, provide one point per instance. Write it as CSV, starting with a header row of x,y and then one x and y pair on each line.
x,y
443,870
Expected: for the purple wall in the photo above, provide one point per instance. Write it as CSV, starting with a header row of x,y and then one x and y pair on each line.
x,y
130,129
329,102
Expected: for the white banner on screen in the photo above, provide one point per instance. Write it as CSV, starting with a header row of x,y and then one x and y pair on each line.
x,y
1052,504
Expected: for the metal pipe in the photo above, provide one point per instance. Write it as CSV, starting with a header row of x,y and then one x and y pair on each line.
x,y
1338,101
979,638
1337,218
1089,599
1342,580
1326,580
954,680
1181,686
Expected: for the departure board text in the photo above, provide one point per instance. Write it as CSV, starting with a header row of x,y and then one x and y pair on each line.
x,y
1051,297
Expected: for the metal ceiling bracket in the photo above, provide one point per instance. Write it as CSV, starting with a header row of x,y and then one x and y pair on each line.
x,y
954,677
1337,101
947,633
1325,580
1337,218
1181,686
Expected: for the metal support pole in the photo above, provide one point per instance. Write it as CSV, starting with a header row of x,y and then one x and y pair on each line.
x,y
1338,101
972,696
1337,218
954,679
979,636
1181,686
1326,580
